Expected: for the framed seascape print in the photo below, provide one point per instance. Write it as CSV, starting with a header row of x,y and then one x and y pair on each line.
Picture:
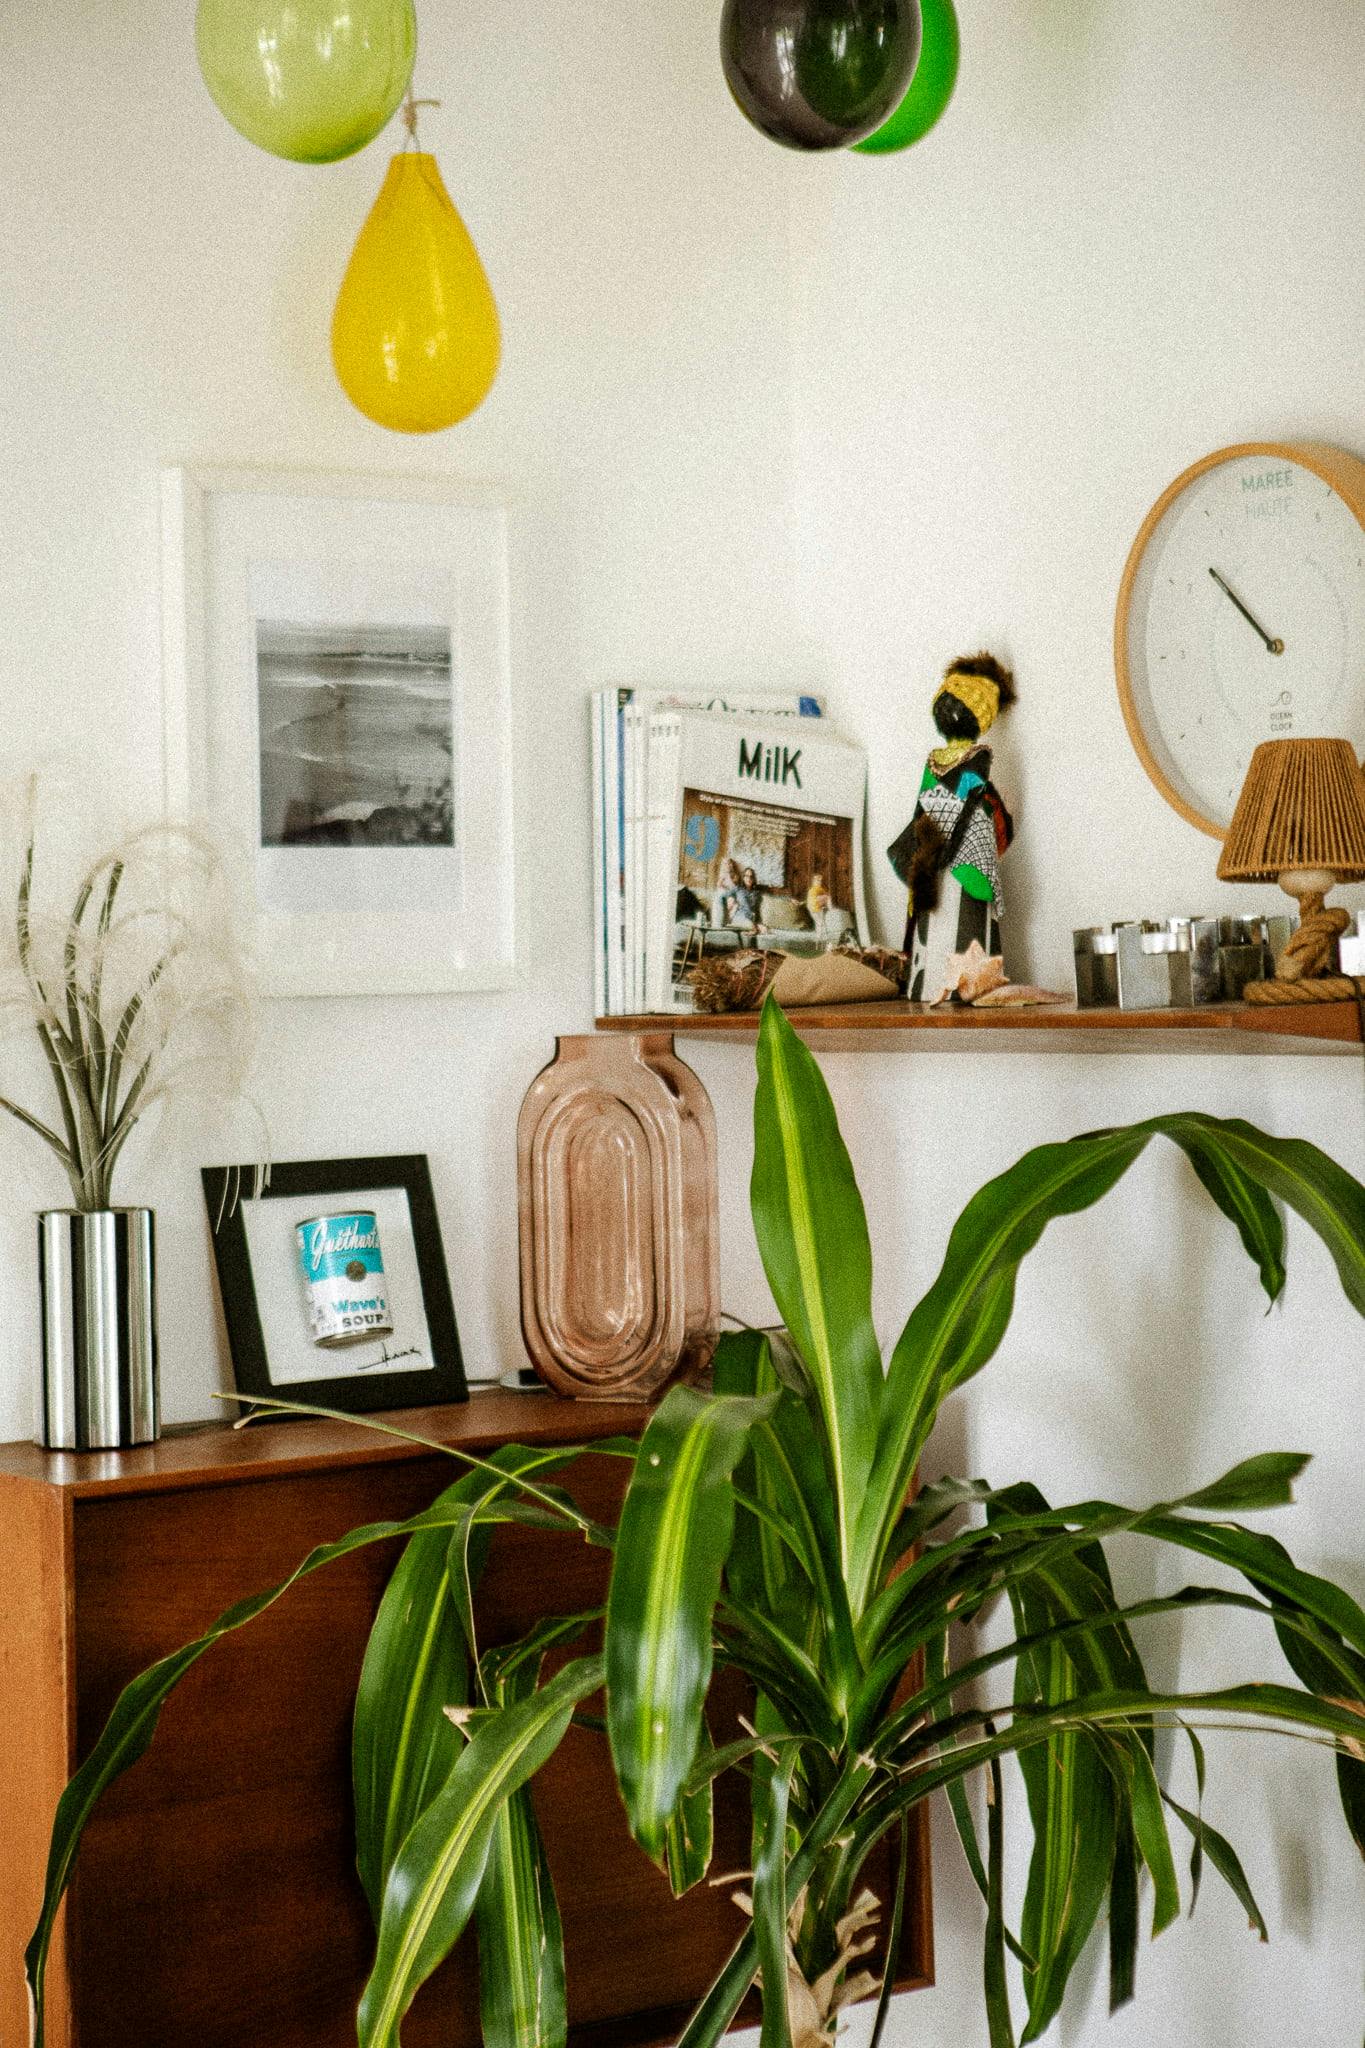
x,y
334,1283
338,706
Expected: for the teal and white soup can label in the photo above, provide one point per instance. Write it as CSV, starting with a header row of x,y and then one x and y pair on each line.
x,y
343,1277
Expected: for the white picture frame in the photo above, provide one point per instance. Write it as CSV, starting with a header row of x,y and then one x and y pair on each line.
x,y
338,707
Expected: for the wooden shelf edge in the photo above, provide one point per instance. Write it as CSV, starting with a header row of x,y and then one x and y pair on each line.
x,y
216,1454
1055,1027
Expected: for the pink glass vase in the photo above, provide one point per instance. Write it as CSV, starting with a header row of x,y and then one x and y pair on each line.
x,y
616,1184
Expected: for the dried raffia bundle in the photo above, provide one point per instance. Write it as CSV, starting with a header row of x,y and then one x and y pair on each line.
x,y
127,971
733,981
892,966
845,974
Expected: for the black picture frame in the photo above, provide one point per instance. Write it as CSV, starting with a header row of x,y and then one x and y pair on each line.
x,y
225,1190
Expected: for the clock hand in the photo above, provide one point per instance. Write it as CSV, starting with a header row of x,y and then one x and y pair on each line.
x,y
1271,646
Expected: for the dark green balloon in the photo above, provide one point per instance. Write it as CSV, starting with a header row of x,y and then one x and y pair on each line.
x,y
819,74
931,88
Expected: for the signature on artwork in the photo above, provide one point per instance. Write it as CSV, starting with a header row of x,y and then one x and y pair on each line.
x,y
387,1357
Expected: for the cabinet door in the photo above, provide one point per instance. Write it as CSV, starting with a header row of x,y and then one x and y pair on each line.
x,y
216,1901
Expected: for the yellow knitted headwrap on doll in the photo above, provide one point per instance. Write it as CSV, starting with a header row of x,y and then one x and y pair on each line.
x,y
980,695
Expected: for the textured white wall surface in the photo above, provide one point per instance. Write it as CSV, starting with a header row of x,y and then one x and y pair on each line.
x,y
1136,236
167,293
768,418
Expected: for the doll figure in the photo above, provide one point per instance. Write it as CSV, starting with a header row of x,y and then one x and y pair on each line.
x,y
948,856
723,895
748,902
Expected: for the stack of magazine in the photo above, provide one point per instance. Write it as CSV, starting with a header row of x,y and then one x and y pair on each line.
x,y
720,824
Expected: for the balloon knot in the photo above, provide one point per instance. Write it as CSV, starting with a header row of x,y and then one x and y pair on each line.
x,y
409,113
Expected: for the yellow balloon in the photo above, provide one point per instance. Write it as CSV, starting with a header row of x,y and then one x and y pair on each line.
x,y
415,336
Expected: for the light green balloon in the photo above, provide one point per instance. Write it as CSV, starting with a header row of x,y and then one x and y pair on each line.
x,y
930,89
311,80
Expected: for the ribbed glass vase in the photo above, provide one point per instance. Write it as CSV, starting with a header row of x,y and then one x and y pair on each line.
x,y
616,1158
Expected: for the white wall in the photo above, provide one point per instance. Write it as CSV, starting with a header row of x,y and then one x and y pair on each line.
x,y
838,418
1136,236
166,295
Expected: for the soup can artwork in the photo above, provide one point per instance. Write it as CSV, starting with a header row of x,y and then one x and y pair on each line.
x,y
343,1277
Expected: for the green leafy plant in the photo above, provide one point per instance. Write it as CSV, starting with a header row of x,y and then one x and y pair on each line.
x,y
772,1527
130,977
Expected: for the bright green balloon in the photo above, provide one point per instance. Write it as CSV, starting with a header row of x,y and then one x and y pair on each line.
x,y
931,88
311,80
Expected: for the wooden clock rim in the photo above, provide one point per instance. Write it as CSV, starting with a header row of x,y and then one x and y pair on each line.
x,y
1337,467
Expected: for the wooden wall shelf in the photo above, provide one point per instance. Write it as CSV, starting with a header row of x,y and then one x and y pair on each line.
x,y
216,1900
1060,1027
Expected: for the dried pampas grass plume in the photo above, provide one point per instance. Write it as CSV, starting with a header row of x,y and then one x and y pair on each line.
x,y
127,970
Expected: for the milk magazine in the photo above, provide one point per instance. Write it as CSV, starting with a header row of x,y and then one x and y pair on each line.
x,y
620,741
755,840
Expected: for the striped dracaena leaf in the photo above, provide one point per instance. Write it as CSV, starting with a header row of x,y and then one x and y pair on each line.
x,y
772,1786
812,1235
1025,1538
1127,1716
1322,1673
1123,1916
759,1566
893,1938
995,1983
435,1879
522,1997
784,1559
1223,1858
689,1837
494,1494
956,1327
1128,1713
402,1745
417,1661
1296,1173
1149,1829
1072,1809
672,1542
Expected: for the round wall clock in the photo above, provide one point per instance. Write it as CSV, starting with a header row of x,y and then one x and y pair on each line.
x,y
1241,618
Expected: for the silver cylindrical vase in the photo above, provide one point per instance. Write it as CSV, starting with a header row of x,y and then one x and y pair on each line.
x,y
98,1284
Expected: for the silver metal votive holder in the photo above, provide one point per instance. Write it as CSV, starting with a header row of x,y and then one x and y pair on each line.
x,y
1097,968
1154,966
97,1279
1175,962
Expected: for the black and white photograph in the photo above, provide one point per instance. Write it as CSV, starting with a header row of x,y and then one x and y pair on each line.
x,y
338,708
333,1282
357,734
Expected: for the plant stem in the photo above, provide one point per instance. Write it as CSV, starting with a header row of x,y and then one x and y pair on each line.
x,y
40,1129
73,1135
98,1043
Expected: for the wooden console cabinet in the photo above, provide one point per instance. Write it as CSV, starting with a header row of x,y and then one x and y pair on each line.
x,y
215,1903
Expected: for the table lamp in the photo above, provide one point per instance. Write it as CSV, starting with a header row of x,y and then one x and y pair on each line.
x,y
1300,821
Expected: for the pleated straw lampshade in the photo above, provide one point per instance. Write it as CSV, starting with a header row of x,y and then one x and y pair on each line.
x,y
1302,807
1300,821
